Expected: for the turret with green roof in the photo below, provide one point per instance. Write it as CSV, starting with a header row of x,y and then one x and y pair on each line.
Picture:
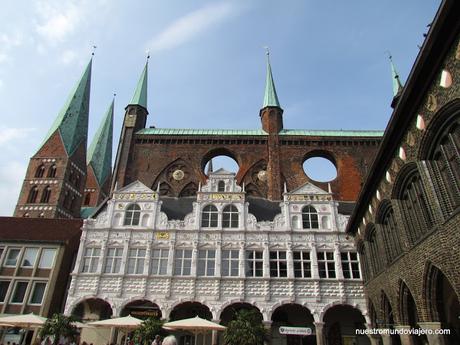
x,y
397,85
271,113
140,95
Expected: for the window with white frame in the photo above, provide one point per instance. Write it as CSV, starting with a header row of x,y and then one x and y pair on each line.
x,y
326,264
230,263
12,257
90,260
4,285
38,291
29,257
350,265
309,217
47,258
183,262
278,263
254,263
159,264
209,217
221,186
113,260
136,260
19,292
206,263
132,215
230,217
302,264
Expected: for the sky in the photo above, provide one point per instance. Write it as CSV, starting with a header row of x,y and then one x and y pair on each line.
x,y
207,64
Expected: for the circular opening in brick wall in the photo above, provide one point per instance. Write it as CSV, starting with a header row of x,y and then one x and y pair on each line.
x,y
222,162
320,169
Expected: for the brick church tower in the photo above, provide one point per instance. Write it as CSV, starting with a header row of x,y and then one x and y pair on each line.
x,y
56,175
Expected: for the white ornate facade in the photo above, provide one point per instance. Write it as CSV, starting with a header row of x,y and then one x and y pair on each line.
x,y
218,254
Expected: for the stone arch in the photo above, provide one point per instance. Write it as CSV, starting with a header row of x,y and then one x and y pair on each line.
x,y
92,308
408,312
387,315
175,176
333,304
328,155
229,309
255,179
252,190
186,308
220,151
141,308
190,189
405,172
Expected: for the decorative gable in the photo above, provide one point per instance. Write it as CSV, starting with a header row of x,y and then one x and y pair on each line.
x,y
135,191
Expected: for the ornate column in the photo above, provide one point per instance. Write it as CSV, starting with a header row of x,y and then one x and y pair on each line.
x,y
338,261
242,261
194,259
266,258
433,339
169,270
314,261
319,326
218,267
289,260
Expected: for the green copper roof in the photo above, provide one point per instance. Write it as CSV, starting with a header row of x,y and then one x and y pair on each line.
x,y
140,95
259,132
270,97
100,150
72,120
86,212
397,85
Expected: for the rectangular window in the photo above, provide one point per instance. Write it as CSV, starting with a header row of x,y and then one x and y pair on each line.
x,y
230,263
29,258
112,260
350,265
19,292
37,293
90,260
4,285
136,261
12,257
302,264
326,265
278,265
183,262
254,263
206,263
47,258
159,262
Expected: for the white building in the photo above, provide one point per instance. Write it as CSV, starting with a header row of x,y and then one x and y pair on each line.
x,y
291,261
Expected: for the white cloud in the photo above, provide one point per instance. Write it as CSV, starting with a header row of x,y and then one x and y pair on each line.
x,y
68,56
189,26
3,57
7,135
11,177
58,19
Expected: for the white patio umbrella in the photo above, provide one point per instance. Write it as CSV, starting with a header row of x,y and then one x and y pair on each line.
x,y
125,323
24,321
195,325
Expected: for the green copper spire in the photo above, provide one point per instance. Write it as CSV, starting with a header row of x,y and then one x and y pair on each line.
x,y
270,97
72,120
100,150
140,95
397,85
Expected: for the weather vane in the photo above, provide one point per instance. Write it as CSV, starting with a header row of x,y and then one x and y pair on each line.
x,y
94,49
148,53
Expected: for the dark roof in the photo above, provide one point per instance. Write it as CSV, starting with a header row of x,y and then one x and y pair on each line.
x,y
346,207
40,229
263,209
441,37
177,208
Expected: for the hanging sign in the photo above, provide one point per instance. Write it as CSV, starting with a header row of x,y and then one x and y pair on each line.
x,y
295,330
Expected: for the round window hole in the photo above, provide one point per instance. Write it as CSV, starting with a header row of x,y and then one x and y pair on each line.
x,y
221,162
320,169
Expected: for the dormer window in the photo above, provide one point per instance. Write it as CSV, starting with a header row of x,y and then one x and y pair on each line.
x,y
221,186
309,218
230,217
209,217
132,215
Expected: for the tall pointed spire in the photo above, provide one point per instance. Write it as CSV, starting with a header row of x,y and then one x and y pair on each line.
x,y
100,150
72,120
397,85
210,168
270,97
140,95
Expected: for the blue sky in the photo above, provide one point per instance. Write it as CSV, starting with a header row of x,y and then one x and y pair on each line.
x,y
207,66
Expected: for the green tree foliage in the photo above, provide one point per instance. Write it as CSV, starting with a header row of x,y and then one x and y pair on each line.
x,y
245,329
57,326
146,333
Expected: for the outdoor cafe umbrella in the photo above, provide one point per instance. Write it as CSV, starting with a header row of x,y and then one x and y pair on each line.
x,y
24,321
125,323
195,325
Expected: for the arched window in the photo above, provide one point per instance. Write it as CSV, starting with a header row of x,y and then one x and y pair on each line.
x,y
221,186
209,217
132,215
417,214
230,217
445,161
373,250
46,194
391,235
364,260
67,200
40,171
309,218
52,171
77,180
33,195
87,199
